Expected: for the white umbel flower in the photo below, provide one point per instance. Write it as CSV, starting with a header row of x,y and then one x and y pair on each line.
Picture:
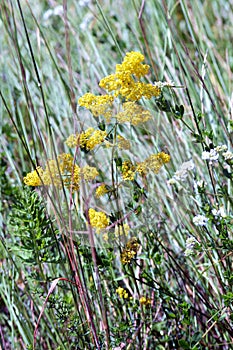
x,y
211,156
228,155
200,220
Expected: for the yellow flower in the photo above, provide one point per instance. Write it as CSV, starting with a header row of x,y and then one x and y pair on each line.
x,y
98,105
75,179
72,140
125,80
98,220
34,178
142,168
87,140
89,173
132,63
133,244
122,293
95,139
145,301
164,156
52,174
133,113
127,256
130,251
128,170
101,190
153,163
122,143
65,162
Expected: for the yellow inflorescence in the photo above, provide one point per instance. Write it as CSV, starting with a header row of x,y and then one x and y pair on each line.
x,y
87,140
145,301
133,113
128,170
98,220
73,182
122,293
61,172
34,178
89,173
125,82
130,251
153,163
101,190
122,143
132,64
98,105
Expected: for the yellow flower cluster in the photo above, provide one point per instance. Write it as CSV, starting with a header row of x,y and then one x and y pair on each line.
x,y
98,105
87,140
101,190
122,143
62,171
52,173
122,293
125,82
145,301
133,113
130,250
128,170
98,220
89,173
34,178
152,163
132,64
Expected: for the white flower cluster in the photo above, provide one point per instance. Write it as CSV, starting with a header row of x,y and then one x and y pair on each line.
x,y
219,212
200,220
161,84
182,172
227,155
221,148
189,245
213,154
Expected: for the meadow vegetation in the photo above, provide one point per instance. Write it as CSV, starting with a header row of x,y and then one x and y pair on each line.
x,y
116,174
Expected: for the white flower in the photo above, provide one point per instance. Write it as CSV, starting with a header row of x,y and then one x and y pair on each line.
x,y
182,173
200,220
215,212
212,156
220,212
161,84
220,148
190,242
188,165
228,155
